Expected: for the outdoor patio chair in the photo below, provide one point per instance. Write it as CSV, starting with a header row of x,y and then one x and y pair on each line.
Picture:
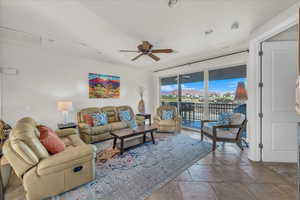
x,y
225,133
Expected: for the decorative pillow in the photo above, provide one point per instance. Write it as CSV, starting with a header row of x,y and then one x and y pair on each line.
x,y
88,119
125,115
50,140
133,124
167,115
100,119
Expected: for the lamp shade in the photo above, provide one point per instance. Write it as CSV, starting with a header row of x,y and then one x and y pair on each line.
x,y
241,92
64,106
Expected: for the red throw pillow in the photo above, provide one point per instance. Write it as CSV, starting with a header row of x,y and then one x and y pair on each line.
x,y
50,140
88,119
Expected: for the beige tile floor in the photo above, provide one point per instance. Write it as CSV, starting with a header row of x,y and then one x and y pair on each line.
x,y
226,174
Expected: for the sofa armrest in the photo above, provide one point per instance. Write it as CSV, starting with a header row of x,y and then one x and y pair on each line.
x,y
156,117
66,132
83,125
177,118
70,158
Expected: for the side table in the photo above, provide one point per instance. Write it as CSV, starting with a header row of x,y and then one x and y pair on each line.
x,y
65,126
146,116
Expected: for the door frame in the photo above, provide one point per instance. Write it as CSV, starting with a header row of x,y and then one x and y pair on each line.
x,y
280,23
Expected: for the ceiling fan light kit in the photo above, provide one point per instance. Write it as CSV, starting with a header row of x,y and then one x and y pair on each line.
x,y
146,49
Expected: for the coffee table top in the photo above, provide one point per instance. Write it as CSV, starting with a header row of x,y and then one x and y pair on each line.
x,y
129,132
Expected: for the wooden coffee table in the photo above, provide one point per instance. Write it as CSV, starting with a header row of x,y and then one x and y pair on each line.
x,y
129,132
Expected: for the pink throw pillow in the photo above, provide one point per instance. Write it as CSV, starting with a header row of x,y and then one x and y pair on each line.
x,y
88,119
50,140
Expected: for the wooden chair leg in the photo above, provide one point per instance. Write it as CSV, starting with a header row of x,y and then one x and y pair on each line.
x,y
214,145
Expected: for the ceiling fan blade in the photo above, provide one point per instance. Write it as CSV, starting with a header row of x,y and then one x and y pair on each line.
x,y
133,59
129,51
162,51
154,56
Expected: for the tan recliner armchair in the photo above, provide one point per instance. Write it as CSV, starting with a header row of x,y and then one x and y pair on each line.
x,y
173,125
42,174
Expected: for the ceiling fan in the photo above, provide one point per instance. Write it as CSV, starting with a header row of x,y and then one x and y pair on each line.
x,y
146,49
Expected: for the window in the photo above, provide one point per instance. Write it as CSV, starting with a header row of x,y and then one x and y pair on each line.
x,y
221,89
194,101
169,91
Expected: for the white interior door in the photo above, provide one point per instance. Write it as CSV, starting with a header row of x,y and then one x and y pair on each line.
x,y
280,70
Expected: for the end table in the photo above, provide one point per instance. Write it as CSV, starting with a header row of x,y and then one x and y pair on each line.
x,y
65,126
146,116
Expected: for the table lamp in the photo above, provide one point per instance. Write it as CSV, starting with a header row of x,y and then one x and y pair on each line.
x,y
241,93
65,107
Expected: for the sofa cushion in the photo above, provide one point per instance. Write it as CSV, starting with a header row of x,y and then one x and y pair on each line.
x,y
118,125
50,140
100,119
237,119
221,133
167,123
100,129
208,127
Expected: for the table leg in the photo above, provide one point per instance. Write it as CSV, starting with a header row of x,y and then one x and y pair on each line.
x,y
122,146
115,142
152,136
144,138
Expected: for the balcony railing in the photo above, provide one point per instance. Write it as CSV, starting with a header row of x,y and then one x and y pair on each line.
x,y
195,111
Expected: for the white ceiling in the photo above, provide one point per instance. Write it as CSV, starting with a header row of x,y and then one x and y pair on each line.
x,y
110,25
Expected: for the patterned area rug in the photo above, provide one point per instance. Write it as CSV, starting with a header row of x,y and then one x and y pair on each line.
x,y
104,155
142,170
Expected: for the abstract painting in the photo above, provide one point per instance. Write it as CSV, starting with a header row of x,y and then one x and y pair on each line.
x,y
104,86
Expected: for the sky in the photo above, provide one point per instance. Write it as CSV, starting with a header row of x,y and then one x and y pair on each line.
x,y
220,86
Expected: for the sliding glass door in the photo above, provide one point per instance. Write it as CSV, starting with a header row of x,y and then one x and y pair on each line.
x,y
221,89
169,91
202,95
191,97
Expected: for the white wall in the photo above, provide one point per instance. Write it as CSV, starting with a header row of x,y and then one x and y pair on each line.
x,y
290,34
1,92
46,76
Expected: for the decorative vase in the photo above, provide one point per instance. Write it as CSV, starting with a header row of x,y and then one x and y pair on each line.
x,y
141,106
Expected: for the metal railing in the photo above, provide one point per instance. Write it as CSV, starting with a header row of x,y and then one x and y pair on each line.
x,y
196,111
